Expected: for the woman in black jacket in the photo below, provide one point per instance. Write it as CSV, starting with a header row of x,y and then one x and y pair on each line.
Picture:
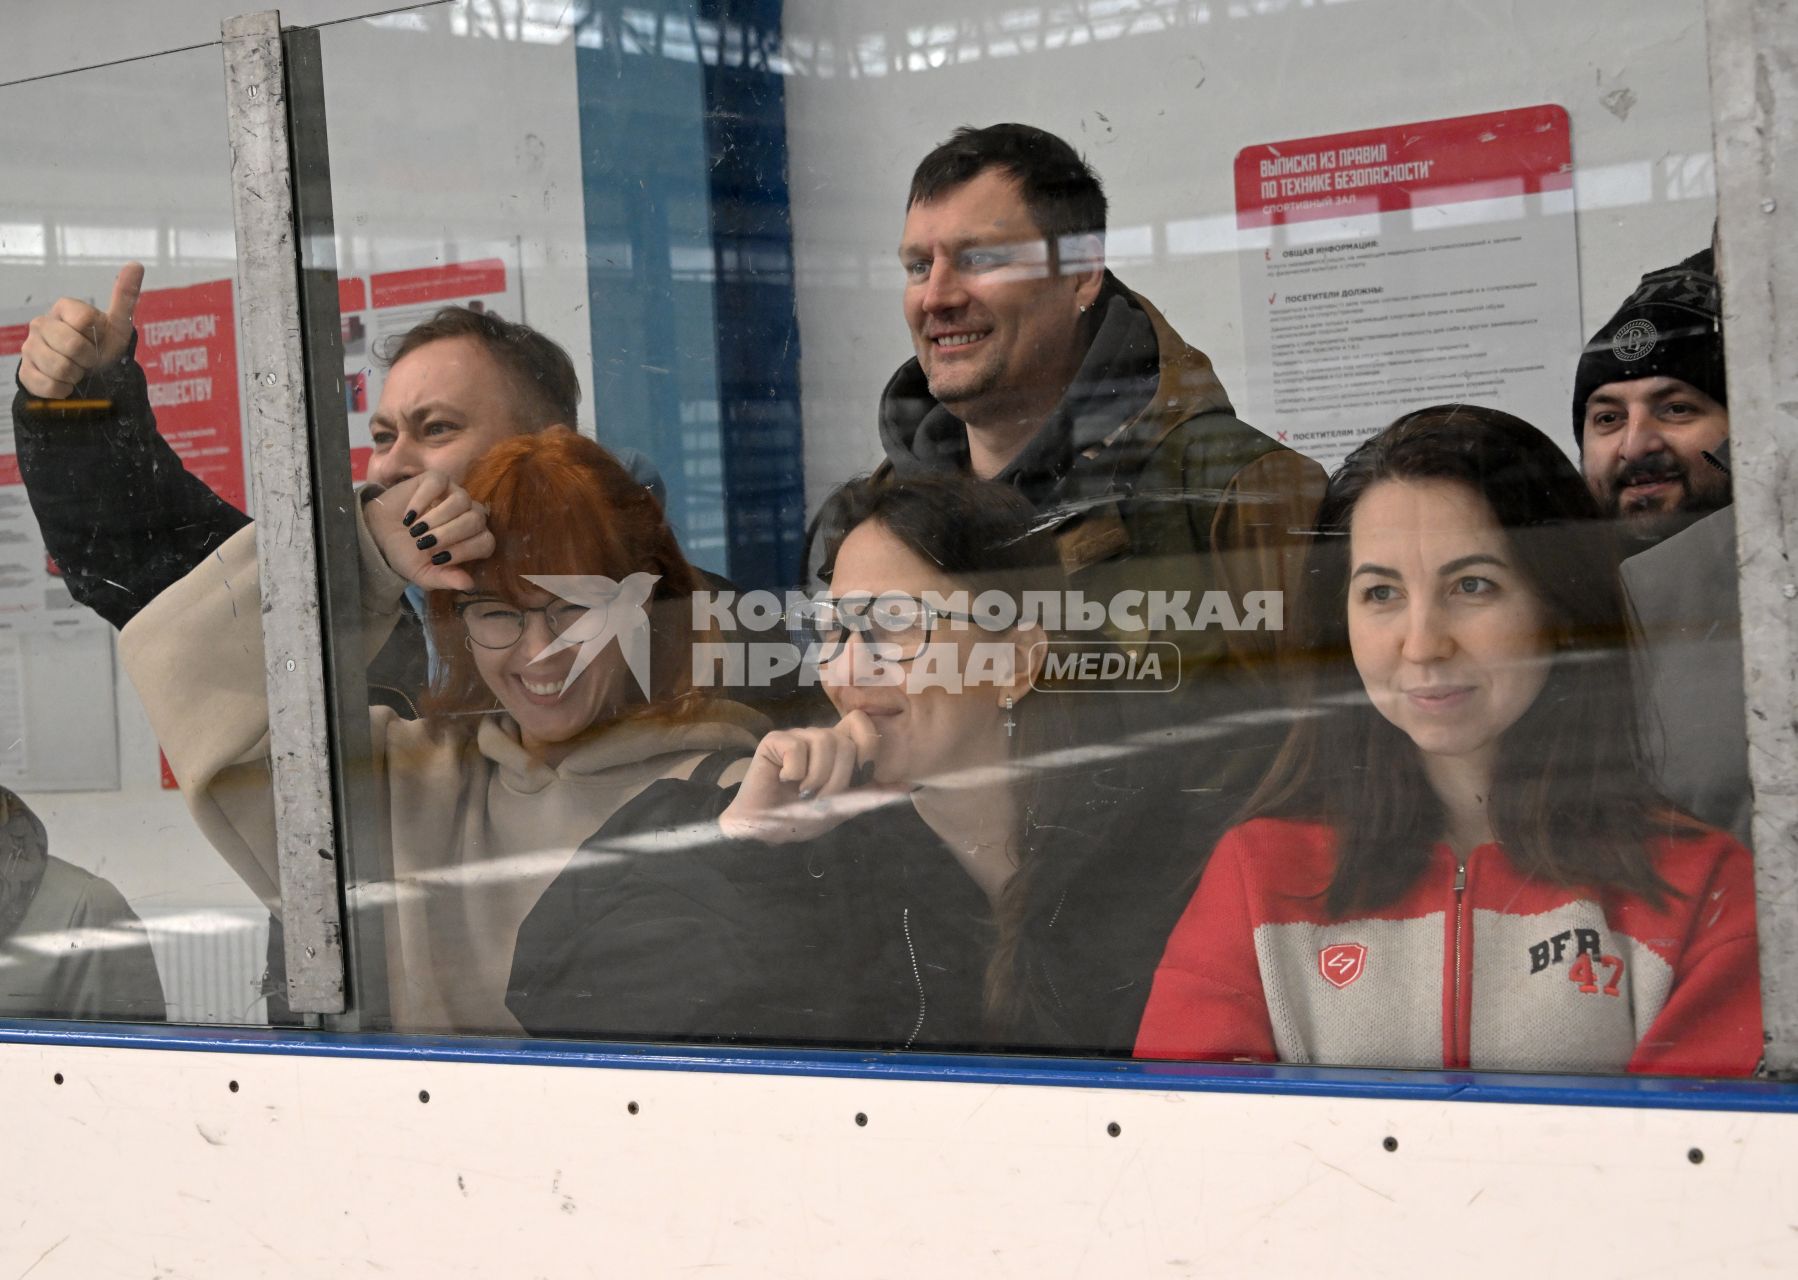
x,y
897,878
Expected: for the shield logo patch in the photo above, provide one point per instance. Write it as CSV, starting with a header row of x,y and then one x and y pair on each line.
x,y
1342,962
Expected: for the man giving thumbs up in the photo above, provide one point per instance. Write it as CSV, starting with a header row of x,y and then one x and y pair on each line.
x,y
72,339
119,512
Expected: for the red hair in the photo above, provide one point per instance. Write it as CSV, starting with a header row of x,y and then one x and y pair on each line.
x,y
557,503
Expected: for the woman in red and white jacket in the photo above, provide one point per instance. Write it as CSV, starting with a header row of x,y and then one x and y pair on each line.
x,y
1458,859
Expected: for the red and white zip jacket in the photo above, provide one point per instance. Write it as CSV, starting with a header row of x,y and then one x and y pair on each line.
x,y
1476,966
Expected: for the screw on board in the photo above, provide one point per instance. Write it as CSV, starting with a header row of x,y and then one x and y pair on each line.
x,y
861,1119
1695,1155
1390,1143
1114,1128
424,1095
232,1086
631,1107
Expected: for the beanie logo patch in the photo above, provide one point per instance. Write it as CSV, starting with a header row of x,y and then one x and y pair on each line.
x,y
1634,340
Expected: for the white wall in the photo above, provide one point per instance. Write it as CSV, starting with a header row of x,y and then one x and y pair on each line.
x,y
1160,97
149,1164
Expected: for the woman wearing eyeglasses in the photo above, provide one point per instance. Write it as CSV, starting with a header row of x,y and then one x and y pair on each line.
x,y
901,877
559,613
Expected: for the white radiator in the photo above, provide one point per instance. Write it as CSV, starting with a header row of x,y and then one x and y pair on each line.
x,y
211,962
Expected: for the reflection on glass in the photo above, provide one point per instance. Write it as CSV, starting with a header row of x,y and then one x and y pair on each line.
x,y
1024,611
125,468
991,785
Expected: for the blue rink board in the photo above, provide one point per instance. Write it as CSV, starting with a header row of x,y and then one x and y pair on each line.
x,y
1667,1093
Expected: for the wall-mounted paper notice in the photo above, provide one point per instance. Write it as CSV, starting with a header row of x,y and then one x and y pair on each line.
x,y
1389,269
379,308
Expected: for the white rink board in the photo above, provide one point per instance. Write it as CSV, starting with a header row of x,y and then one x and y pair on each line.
x,y
144,1163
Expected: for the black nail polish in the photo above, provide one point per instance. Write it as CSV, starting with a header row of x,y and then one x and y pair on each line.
x,y
409,517
442,557
427,542
419,530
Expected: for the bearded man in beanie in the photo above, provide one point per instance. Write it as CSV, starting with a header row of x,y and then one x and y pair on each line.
x,y
1650,407
1650,412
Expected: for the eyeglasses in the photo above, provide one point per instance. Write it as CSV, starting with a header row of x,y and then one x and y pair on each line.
x,y
499,624
899,623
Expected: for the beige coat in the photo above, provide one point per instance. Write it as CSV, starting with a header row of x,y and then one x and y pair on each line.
x,y
477,827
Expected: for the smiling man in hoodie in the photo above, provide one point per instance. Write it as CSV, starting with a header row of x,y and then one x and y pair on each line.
x,y
1037,367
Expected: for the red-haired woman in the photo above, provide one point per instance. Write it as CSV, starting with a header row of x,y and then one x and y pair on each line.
x,y
1458,859
559,614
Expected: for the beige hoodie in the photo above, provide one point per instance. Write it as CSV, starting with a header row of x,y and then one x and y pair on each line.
x,y
478,828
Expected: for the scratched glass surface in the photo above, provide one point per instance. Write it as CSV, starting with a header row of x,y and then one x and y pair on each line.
x,y
772,752
117,253
943,645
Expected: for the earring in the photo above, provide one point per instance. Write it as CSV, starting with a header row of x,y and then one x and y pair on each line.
x,y
1085,307
468,643
1011,723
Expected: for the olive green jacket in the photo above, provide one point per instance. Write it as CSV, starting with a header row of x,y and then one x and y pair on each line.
x,y
1151,483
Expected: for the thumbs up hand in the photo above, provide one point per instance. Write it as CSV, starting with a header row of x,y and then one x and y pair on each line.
x,y
72,339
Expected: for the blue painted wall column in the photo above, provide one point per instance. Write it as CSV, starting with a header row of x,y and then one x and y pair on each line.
x,y
689,244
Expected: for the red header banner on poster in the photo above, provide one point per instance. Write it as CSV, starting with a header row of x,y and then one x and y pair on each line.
x,y
380,308
1338,175
437,284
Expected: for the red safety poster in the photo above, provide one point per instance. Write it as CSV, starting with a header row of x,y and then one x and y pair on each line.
x,y
187,348
1388,269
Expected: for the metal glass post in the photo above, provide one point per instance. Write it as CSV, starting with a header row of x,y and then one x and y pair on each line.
x,y
269,326
1754,103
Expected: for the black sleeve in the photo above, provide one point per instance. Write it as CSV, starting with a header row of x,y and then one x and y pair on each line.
x,y
661,930
120,514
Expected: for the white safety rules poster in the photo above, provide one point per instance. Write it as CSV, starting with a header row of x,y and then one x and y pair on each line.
x,y
1389,269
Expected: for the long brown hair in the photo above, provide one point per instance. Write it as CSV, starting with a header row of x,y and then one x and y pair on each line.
x,y
1571,800
557,503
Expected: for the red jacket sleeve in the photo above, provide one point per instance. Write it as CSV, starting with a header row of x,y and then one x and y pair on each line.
x,y
1711,1023
1206,1001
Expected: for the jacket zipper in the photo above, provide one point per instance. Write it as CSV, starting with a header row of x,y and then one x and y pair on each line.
x,y
1455,975
916,976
